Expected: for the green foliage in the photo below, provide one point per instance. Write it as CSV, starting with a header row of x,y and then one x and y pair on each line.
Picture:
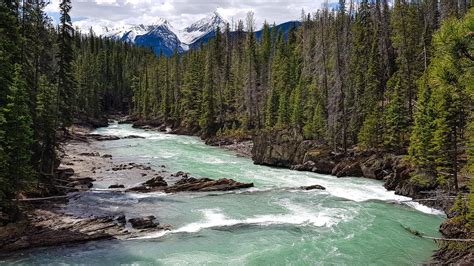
x,y
440,122
65,59
395,118
18,139
369,135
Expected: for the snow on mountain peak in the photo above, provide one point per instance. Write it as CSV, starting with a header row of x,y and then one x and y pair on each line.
x,y
201,27
159,32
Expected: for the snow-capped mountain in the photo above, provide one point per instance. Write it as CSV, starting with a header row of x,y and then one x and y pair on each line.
x,y
201,27
160,35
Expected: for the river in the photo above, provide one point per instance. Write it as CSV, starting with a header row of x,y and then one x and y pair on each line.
x,y
354,221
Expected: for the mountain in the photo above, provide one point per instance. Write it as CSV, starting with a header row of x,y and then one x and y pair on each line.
x,y
284,27
202,27
160,38
164,38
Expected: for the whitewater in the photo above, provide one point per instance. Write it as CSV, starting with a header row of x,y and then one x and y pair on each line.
x,y
353,221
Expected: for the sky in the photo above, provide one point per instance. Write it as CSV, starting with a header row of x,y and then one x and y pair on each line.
x,y
182,13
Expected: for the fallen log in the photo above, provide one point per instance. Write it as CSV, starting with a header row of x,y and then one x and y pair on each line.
x,y
422,235
43,199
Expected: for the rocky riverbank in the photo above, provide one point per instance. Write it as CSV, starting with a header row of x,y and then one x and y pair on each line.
x,y
46,223
289,149
242,146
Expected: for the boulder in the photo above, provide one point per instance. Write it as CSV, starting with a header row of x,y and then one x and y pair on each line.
x,y
143,223
375,167
116,186
180,174
348,168
277,148
206,184
121,219
133,137
313,187
157,181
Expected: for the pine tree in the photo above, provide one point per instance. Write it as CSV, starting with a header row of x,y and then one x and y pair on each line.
x,y
45,110
18,136
65,58
449,77
395,118
369,133
207,121
9,54
420,149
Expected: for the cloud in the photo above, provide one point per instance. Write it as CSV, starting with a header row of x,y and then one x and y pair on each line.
x,y
181,13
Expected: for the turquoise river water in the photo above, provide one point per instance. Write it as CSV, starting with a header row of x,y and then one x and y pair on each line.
x,y
356,221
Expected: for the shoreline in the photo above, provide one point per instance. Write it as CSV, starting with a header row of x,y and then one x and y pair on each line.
x,y
48,223
82,154
445,253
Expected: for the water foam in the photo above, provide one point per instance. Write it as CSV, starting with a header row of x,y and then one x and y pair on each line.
x,y
297,215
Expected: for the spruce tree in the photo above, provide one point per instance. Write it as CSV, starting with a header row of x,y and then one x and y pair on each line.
x,y
65,58
18,136
207,121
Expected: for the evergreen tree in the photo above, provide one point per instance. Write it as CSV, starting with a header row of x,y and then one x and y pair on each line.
x,y
449,77
207,121
395,117
17,142
65,58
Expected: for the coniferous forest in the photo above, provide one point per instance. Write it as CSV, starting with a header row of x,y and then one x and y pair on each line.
x,y
52,76
373,76
370,75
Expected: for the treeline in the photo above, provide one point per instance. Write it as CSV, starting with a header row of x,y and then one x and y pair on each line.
x,y
368,75
51,77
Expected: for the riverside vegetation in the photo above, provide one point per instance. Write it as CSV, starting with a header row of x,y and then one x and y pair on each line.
x,y
372,78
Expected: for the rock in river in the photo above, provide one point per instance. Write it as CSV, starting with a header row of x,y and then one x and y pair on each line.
x,y
143,223
206,184
313,187
116,186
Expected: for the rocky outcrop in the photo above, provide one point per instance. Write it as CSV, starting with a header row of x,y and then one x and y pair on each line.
x,y
206,184
455,252
279,148
143,223
43,228
115,186
100,137
157,183
287,148
312,187
188,184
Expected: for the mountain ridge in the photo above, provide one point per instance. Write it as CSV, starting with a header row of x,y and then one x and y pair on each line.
x,y
162,37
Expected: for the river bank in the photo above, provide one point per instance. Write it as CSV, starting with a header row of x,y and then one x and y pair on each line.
x,y
289,150
82,162
106,158
45,222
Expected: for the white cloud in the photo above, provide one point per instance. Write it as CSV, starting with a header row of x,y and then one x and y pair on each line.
x,y
181,13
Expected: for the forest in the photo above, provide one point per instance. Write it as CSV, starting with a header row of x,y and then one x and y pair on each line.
x,y
372,76
51,77
369,76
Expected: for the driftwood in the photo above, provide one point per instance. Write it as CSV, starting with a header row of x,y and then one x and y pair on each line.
x,y
420,234
46,198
